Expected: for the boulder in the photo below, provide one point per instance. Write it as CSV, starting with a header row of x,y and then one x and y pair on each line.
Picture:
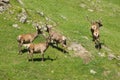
x,y
5,1
4,5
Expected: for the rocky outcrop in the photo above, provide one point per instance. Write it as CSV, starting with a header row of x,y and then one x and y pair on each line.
x,y
81,52
4,4
22,16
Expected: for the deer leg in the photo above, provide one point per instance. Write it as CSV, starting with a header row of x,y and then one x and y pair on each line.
x,y
42,56
31,54
28,55
32,57
64,46
57,44
94,38
19,46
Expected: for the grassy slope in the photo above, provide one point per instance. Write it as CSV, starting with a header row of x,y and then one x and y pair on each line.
x,y
16,67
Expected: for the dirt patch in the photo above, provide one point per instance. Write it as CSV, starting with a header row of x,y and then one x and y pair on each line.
x,y
80,51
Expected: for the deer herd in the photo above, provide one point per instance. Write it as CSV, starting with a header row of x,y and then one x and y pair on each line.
x,y
53,37
95,31
27,40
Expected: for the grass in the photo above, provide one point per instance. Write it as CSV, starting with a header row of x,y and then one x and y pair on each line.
x,y
59,66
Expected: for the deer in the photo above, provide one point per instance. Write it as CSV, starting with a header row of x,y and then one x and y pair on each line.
x,y
56,37
28,38
95,26
96,35
38,48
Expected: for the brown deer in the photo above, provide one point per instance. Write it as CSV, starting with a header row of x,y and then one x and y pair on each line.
x,y
27,38
38,48
56,37
95,26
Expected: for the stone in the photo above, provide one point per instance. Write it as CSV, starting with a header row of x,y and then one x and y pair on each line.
x,y
80,51
2,8
111,56
20,2
23,19
93,71
16,26
22,16
6,1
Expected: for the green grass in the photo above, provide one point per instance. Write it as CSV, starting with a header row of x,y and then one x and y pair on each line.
x,y
63,67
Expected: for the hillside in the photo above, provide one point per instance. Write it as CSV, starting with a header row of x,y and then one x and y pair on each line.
x,y
69,16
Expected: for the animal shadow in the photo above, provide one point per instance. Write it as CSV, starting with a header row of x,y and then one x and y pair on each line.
x,y
98,45
24,50
58,48
40,59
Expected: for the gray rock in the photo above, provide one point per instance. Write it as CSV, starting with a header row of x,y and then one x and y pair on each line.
x,y
22,16
16,26
80,51
93,71
2,8
19,1
4,5
63,17
23,19
111,56
41,13
6,1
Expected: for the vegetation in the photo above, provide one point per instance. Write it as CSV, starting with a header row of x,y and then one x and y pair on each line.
x,y
70,16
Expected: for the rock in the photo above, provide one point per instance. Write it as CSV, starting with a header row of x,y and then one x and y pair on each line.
x,y
118,58
111,56
20,2
11,12
118,73
4,5
47,19
80,51
37,24
82,5
106,73
6,1
93,71
101,54
106,48
16,26
69,48
91,10
22,16
29,21
85,56
41,13
63,17
2,8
